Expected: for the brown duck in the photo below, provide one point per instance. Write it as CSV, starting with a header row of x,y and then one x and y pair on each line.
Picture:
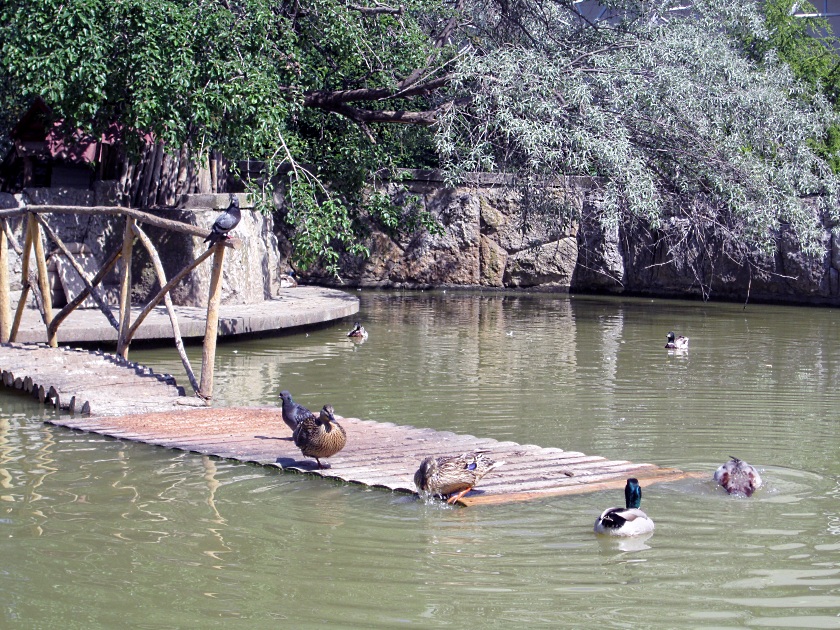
x,y
452,476
320,437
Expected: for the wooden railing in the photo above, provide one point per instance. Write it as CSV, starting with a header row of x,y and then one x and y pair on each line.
x,y
37,281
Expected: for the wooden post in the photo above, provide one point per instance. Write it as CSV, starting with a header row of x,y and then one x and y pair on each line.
x,y
92,290
76,301
163,291
170,308
24,280
208,357
5,299
43,278
125,288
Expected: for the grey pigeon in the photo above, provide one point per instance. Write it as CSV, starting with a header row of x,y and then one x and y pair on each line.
x,y
225,222
293,413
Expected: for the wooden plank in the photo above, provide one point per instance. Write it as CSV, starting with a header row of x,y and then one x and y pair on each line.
x,y
660,475
78,380
377,454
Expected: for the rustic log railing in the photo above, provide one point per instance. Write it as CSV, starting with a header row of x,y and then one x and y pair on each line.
x,y
37,281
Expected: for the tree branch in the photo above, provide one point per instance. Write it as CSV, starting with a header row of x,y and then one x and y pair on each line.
x,y
326,99
378,9
424,118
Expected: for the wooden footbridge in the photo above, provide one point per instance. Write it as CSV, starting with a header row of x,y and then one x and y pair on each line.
x,y
131,402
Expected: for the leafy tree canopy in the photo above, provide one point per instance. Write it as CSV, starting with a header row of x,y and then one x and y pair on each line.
x,y
703,132
705,145
810,48
300,86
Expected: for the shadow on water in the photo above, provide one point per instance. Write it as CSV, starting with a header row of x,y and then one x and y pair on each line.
x,y
85,520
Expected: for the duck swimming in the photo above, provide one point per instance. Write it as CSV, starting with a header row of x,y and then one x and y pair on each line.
x,y
452,476
629,520
738,477
358,332
676,343
320,437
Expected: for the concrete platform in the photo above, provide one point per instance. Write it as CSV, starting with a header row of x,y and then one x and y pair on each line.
x,y
299,306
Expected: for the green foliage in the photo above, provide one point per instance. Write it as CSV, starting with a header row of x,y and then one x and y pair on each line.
x,y
703,145
809,48
232,76
712,123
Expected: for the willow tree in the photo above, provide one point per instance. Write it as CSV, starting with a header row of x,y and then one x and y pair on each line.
x,y
703,143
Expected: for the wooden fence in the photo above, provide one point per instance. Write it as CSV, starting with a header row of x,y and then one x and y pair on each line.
x,y
35,280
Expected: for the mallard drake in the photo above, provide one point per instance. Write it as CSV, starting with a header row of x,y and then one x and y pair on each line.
x,y
452,476
358,332
676,343
293,413
738,477
629,520
320,437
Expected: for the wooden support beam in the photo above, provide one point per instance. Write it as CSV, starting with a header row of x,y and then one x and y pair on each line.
x,y
76,301
125,288
12,240
24,280
173,319
5,298
208,357
92,290
139,215
164,290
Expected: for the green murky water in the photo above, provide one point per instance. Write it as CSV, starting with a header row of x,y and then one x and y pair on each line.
x,y
97,533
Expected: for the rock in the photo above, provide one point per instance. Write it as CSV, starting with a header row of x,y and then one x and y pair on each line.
x,y
551,264
252,270
492,263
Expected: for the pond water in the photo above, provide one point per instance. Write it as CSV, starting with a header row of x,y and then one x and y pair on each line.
x,y
99,533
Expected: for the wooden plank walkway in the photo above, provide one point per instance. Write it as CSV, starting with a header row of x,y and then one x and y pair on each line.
x,y
84,381
378,454
131,402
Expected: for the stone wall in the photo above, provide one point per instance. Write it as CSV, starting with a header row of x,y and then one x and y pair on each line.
x,y
495,237
483,242
252,271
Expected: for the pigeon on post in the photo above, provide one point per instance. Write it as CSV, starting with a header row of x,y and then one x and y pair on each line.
x,y
225,222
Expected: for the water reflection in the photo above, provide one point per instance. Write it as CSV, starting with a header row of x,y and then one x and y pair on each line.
x,y
197,540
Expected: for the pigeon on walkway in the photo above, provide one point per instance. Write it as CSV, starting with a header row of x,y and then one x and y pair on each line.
x,y
225,222
293,413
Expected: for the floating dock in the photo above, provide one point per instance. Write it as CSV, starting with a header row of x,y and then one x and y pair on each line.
x,y
85,381
378,454
130,402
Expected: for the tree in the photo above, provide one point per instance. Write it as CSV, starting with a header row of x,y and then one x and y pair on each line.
x,y
298,87
810,48
704,139
702,145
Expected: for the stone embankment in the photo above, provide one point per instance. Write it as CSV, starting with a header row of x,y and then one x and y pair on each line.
x,y
495,235
253,272
498,235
